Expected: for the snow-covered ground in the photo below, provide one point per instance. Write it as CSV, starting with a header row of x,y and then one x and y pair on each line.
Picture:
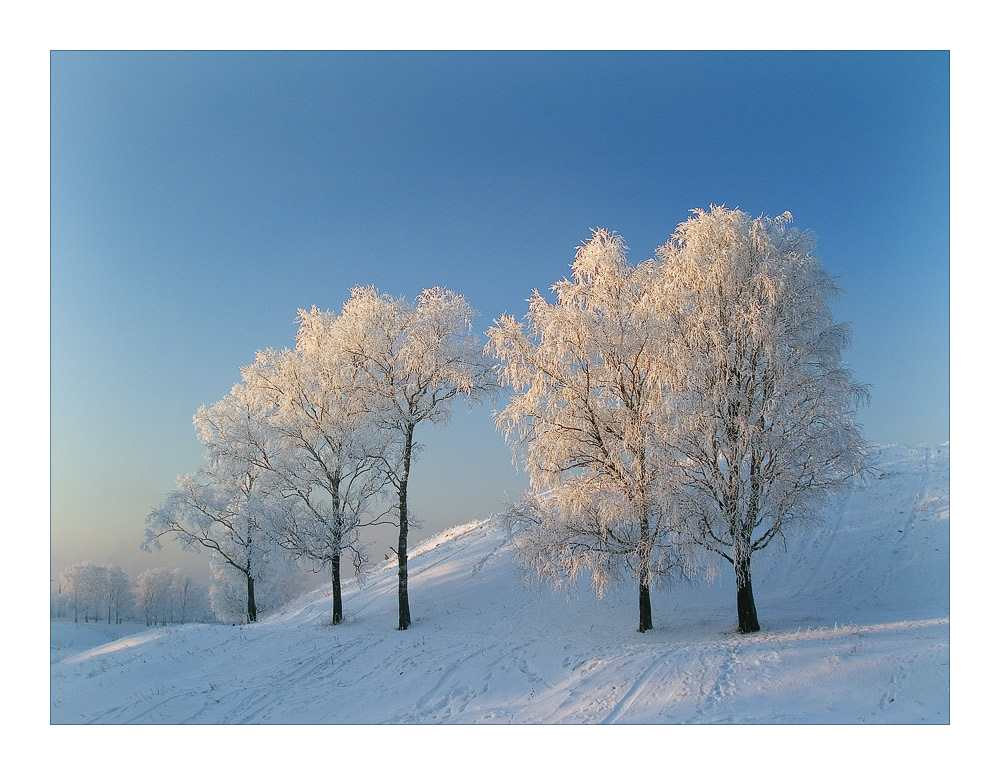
x,y
855,618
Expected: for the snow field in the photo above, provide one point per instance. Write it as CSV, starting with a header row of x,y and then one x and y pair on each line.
x,y
855,619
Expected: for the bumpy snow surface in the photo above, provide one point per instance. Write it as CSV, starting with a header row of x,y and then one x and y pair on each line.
x,y
855,618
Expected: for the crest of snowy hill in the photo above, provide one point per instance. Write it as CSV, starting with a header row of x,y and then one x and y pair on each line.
x,y
855,617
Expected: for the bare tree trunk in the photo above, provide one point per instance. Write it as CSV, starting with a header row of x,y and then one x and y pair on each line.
x,y
338,595
746,609
645,609
338,600
404,598
251,601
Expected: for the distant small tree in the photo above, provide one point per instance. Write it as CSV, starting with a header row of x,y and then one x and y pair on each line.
x,y
152,594
761,405
83,584
183,592
57,602
68,589
73,582
410,361
116,591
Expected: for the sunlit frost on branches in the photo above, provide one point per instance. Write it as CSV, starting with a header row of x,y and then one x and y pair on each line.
x,y
586,421
696,399
761,421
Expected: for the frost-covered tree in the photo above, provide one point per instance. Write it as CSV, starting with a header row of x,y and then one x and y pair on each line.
x,y
70,589
186,597
57,602
152,595
761,405
82,584
411,361
277,580
227,505
325,462
95,590
586,420
116,592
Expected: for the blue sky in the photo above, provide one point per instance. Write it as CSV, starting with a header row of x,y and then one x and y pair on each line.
x,y
199,199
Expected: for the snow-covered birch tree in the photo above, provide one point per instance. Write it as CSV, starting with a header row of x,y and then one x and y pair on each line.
x,y
185,594
83,583
226,505
761,405
116,592
586,421
152,594
277,579
326,461
411,362
71,588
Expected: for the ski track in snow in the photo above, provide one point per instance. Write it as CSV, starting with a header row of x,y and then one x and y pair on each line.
x,y
855,618
643,685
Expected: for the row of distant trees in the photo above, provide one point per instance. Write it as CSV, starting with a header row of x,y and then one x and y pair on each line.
x,y
693,405
90,592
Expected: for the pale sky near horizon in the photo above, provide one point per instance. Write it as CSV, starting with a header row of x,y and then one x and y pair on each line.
x,y
199,199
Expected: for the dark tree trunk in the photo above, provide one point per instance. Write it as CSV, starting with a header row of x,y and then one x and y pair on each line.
x,y
251,602
746,609
338,600
338,597
645,609
404,598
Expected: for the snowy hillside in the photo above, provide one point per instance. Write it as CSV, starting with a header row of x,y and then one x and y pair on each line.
x,y
855,619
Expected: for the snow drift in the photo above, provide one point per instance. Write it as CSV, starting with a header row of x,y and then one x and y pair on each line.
x,y
854,615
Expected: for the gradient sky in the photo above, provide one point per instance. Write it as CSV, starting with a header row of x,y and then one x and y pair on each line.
x,y
199,199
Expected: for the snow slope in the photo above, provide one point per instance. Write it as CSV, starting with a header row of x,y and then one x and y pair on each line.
x,y
855,619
